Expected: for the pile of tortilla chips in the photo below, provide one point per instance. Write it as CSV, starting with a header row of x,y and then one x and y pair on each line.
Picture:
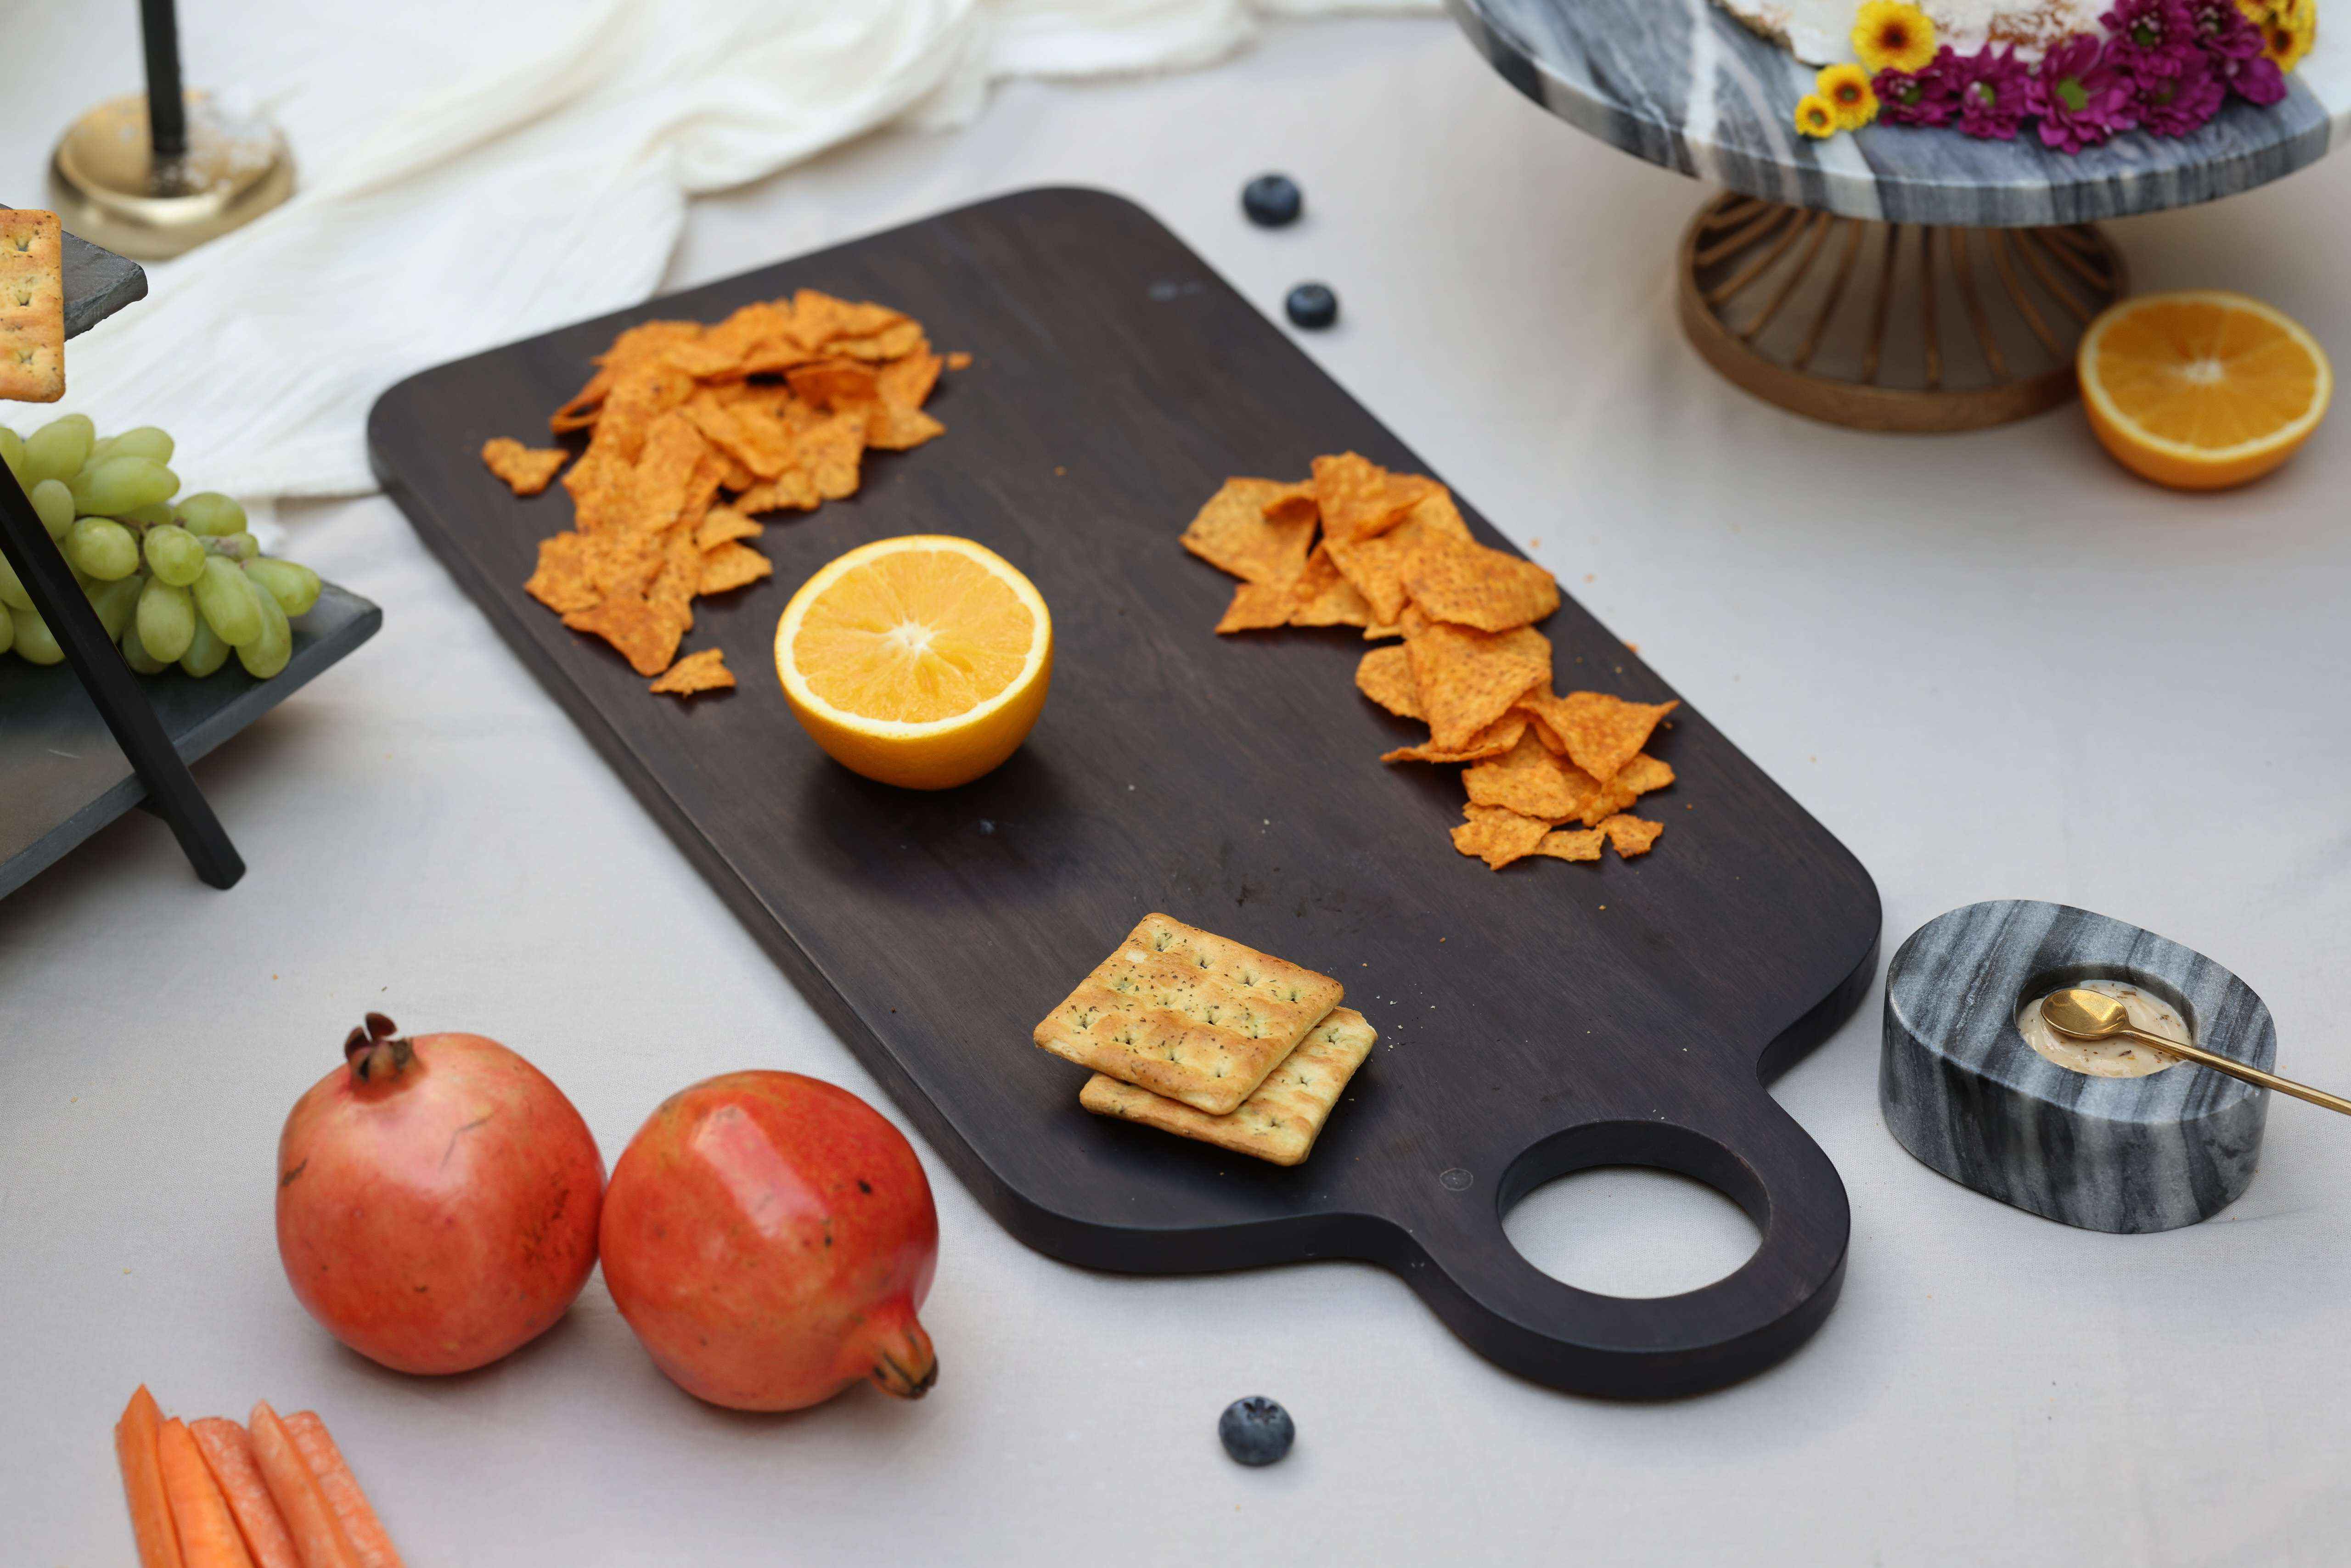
x,y
1395,558
693,430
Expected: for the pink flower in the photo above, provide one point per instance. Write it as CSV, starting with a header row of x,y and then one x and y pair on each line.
x,y
2176,103
1928,96
2081,97
1992,89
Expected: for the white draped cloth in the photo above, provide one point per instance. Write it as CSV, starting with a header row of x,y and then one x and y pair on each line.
x,y
478,170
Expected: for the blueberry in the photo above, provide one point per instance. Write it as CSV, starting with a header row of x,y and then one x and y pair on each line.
x,y
1312,306
1256,1431
1271,200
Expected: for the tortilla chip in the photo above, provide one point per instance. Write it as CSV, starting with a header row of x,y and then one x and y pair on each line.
x,y
1320,597
1631,835
1464,582
704,672
744,432
646,635
889,428
1376,566
1571,845
1531,781
1233,534
1599,733
1492,741
640,396
723,523
1256,607
829,454
731,565
1497,837
907,382
1294,504
564,582
833,383
790,488
527,470
1643,774
1359,499
1467,678
1385,676
724,349
818,319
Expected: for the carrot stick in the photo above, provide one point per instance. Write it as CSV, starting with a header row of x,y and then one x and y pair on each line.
x,y
341,1489
135,1439
318,1538
228,1454
207,1531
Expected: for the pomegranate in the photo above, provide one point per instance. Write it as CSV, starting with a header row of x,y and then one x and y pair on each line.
x,y
437,1199
768,1237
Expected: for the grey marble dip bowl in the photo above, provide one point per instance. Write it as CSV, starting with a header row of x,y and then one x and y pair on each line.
x,y
1962,1091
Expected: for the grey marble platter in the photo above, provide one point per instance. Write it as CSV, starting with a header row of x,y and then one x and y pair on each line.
x,y
1682,83
1961,1090
62,777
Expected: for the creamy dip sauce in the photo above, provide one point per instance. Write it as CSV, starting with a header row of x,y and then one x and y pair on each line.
x,y
2116,1057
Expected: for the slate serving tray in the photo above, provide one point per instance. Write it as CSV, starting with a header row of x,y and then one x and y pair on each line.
x,y
1540,1020
62,777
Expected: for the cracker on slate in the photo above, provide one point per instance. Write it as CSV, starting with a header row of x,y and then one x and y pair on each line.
x,y
1188,1014
32,308
1279,1122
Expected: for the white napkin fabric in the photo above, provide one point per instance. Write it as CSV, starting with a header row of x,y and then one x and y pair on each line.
x,y
472,173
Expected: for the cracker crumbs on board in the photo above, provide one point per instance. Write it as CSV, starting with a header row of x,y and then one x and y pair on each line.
x,y
704,672
694,428
1548,774
526,469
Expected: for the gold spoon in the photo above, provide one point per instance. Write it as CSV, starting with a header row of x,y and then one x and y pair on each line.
x,y
2081,1014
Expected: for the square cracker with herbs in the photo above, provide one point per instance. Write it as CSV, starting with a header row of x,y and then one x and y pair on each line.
x,y
1280,1120
32,308
1189,1015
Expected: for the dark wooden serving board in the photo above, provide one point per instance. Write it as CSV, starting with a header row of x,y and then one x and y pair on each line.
x,y
1527,1031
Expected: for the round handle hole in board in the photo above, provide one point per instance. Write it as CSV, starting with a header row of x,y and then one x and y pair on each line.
x,y
1631,1231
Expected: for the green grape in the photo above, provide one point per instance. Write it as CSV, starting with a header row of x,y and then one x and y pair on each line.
x,y
118,484
144,442
12,452
35,641
210,512
148,516
296,587
12,593
174,555
206,652
99,451
266,655
135,653
116,602
166,620
8,629
230,604
58,450
102,548
235,546
54,502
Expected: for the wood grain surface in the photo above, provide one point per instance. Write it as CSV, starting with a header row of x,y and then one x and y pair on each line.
x,y
1545,1019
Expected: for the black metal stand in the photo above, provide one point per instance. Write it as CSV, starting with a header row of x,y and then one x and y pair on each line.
x,y
172,791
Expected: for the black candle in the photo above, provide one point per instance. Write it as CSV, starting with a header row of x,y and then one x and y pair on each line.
x,y
167,120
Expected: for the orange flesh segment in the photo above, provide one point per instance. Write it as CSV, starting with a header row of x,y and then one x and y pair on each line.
x,y
914,637
2199,375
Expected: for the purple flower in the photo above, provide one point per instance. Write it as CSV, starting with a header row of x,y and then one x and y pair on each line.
x,y
1929,96
2081,97
2147,36
2180,102
1992,89
2256,79
2223,29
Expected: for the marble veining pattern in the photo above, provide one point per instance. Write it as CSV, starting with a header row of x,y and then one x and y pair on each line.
x,y
1961,1090
1682,83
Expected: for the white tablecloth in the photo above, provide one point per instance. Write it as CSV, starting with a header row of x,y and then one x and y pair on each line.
x,y
1882,622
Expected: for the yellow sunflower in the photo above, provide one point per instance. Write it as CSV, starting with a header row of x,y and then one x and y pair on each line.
x,y
1847,88
1889,35
1815,116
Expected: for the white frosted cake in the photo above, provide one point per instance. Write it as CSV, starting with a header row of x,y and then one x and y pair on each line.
x,y
1820,32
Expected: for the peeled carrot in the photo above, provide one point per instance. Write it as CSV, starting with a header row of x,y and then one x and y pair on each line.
x,y
200,1515
136,1451
318,1538
341,1489
228,1455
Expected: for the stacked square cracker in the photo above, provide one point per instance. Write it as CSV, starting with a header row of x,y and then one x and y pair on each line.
x,y
1550,775
1199,1036
32,307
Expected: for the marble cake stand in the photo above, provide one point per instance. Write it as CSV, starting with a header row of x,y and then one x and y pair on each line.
x,y
1887,278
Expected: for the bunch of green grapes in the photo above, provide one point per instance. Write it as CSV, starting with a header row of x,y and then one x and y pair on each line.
x,y
173,582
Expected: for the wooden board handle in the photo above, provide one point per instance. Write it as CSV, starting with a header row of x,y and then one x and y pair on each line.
x,y
1515,1315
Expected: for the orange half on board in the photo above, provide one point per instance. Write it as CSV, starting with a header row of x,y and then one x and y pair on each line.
x,y
920,662
2201,389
